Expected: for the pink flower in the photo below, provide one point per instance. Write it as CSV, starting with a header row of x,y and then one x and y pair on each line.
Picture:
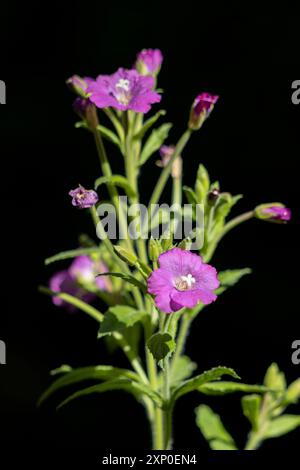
x,y
182,280
201,109
123,90
81,273
83,198
166,152
148,61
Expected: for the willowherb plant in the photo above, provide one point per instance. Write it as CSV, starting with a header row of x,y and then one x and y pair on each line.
x,y
154,286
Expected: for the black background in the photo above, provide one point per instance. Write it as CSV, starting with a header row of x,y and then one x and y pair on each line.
x,y
250,144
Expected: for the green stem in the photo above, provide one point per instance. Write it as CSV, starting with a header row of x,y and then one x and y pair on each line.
x,y
159,187
106,170
109,246
80,304
131,155
157,417
229,226
181,338
167,413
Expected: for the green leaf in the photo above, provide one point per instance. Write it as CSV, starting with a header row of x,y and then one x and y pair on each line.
x,y
274,378
213,430
82,374
161,346
148,124
282,425
128,278
293,393
63,369
118,318
202,183
207,376
223,387
154,141
190,195
109,135
116,180
135,388
71,254
183,369
251,409
230,277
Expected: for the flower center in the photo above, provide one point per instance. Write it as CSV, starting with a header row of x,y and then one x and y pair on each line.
x,y
185,282
123,91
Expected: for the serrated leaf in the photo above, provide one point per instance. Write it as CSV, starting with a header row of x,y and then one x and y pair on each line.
x,y
71,254
128,278
213,430
282,425
82,374
116,180
118,318
154,141
207,376
161,346
148,124
183,369
251,409
223,388
109,135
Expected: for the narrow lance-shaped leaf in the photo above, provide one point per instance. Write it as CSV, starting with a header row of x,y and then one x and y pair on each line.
x,y
230,277
282,425
213,430
71,254
109,135
207,376
154,142
148,124
128,278
223,388
82,374
135,388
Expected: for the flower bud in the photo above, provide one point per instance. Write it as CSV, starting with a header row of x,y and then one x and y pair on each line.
x,y
201,109
83,198
79,85
148,62
273,212
125,255
154,249
213,196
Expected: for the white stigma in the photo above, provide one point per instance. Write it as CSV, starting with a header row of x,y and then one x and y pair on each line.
x,y
185,282
123,83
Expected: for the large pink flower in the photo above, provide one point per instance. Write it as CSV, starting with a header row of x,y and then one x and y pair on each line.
x,y
125,89
182,280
